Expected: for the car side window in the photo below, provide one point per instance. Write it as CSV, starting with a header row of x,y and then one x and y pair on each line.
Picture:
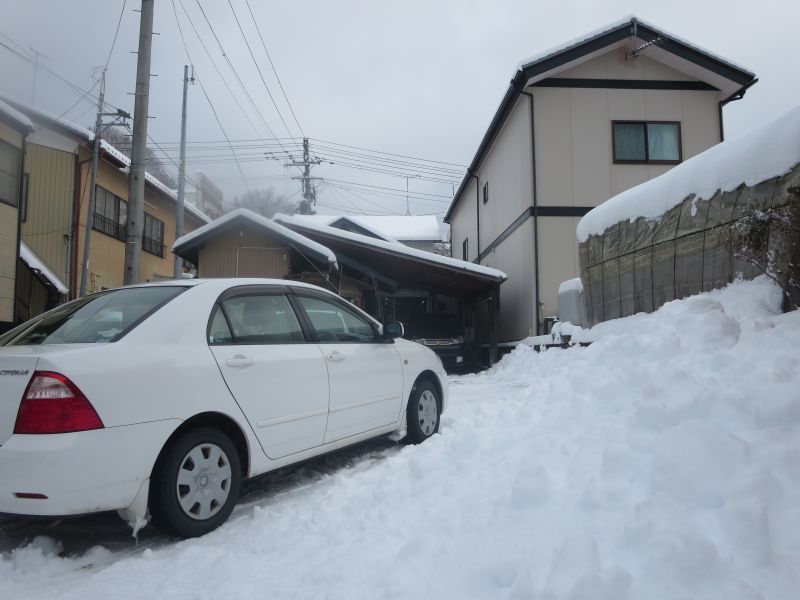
x,y
262,319
333,323
219,332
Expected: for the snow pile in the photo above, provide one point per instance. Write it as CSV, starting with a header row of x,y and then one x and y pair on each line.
x,y
760,153
662,462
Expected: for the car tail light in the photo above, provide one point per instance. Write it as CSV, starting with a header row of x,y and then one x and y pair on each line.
x,y
53,404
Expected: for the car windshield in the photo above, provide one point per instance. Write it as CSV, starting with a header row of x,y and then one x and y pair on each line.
x,y
96,319
435,326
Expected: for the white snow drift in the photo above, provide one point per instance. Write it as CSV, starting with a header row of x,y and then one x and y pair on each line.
x,y
661,462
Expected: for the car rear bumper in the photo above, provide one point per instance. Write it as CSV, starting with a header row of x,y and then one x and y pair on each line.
x,y
79,473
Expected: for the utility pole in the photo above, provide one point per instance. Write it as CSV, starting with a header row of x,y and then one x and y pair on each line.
x,y
408,206
133,247
182,171
309,195
96,143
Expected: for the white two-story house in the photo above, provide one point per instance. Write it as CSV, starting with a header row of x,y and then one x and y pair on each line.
x,y
578,125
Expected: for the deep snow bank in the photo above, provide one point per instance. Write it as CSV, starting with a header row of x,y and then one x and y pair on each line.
x,y
662,462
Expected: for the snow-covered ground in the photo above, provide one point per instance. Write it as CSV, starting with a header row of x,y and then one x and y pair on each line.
x,y
661,462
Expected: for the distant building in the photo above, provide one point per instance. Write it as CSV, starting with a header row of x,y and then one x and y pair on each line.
x,y
57,169
576,126
206,196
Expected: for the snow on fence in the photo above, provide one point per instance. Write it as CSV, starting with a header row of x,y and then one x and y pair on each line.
x,y
637,265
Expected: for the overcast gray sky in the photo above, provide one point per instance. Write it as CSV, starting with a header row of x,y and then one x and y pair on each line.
x,y
420,78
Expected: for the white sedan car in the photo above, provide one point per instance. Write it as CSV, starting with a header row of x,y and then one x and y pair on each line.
x,y
159,399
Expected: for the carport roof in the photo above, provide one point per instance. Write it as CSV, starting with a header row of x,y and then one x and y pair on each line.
x,y
408,267
188,245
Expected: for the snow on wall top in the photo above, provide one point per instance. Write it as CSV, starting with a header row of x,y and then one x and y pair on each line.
x,y
614,25
260,221
761,152
570,285
14,115
88,135
29,257
394,247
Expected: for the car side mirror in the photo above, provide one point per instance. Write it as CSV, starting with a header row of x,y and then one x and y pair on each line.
x,y
393,330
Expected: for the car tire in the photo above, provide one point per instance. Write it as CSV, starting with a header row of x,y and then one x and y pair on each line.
x,y
195,483
423,412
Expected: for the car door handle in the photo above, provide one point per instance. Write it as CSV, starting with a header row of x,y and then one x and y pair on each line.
x,y
335,356
239,362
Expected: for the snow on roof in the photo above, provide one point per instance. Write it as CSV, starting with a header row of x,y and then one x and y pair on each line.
x,y
762,152
259,221
392,228
403,228
610,27
109,149
14,115
394,247
34,262
330,219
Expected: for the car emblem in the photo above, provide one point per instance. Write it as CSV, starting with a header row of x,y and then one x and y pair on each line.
x,y
14,371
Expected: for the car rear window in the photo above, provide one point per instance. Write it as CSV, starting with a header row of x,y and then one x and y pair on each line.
x,y
96,319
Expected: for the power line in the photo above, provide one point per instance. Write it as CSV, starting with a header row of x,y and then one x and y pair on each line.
x,y
210,104
285,97
390,154
255,62
116,33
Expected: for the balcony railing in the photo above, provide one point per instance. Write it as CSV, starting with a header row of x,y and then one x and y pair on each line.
x,y
153,246
109,227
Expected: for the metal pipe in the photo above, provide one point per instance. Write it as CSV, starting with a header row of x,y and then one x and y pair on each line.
x,y
535,215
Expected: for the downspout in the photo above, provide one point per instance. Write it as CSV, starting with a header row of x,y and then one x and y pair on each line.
x,y
477,217
535,215
738,95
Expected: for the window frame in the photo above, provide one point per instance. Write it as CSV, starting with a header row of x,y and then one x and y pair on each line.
x,y
120,229
465,249
486,193
157,243
646,160
254,290
15,202
345,306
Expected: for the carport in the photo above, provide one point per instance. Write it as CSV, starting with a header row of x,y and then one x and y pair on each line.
x,y
398,276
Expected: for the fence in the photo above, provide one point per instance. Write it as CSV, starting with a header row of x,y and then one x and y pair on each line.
x,y
637,266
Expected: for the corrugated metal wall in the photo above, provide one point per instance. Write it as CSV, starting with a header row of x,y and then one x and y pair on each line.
x,y
51,181
8,260
639,266
258,256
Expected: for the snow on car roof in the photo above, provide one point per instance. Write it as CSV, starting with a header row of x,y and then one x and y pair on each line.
x,y
259,221
762,152
396,248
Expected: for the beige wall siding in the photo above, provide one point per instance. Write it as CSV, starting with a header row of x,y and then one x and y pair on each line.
x,y
464,224
8,260
107,254
507,169
516,319
258,256
558,261
51,175
9,221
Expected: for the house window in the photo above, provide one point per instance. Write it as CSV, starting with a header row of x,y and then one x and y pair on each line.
x,y
486,193
110,214
9,173
153,236
639,142
465,249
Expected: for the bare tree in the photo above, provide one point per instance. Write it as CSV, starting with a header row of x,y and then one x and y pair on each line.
x,y
264,201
